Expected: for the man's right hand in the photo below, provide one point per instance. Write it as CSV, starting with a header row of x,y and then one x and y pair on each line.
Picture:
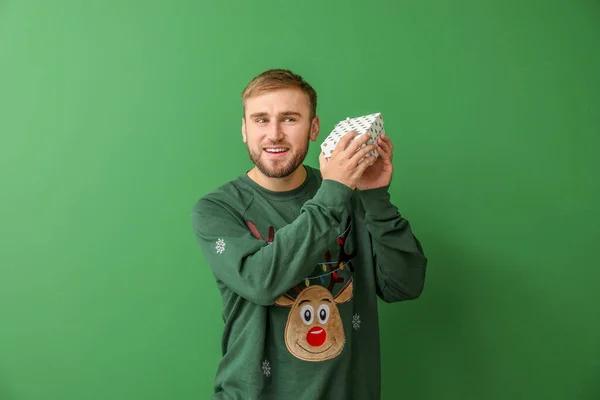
x,y
343,165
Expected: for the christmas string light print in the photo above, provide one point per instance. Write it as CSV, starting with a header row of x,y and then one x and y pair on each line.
x,y
314,330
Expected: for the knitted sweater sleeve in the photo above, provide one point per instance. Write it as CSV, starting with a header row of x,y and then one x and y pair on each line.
x,y
399,260
262,271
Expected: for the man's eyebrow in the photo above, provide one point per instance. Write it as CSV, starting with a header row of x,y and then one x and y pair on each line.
x,y
290,113
258,114
264,114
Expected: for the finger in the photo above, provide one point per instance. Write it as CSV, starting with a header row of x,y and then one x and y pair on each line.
x,y
366,163
385,145
385,156
356,144
322,159
344,142
362,152
381,142
386,139
383,148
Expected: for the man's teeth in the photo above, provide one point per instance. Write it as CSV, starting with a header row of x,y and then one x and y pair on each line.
x,y
275,150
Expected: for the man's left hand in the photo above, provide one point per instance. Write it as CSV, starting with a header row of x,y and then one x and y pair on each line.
x,y
380,173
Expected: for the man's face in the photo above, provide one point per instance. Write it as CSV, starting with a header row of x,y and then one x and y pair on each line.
x,y
276,129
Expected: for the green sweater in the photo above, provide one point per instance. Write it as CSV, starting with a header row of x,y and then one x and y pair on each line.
x,y
300,273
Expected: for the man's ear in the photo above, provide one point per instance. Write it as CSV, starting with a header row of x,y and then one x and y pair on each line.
x,y
315,126
244,129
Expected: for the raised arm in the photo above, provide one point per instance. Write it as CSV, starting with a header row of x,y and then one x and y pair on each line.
x,y
400,263
260,271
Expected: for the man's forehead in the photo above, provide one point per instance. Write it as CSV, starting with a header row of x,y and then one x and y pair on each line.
x,y
278,102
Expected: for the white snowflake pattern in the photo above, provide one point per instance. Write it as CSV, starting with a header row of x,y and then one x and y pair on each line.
x,y
220,246
266,368
356,321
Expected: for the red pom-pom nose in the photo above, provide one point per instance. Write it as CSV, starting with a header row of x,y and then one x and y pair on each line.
x,y
316,336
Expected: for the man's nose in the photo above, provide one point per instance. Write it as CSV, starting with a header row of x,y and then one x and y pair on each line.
x,y
275,133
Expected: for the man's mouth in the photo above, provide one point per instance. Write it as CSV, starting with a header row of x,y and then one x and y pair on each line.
x,y
276,151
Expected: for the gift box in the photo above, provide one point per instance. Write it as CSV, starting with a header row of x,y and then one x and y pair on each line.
x,y
371,125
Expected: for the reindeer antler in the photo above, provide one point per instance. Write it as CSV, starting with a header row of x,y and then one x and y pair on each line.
x,y
270,239
253,229
342,259
271,236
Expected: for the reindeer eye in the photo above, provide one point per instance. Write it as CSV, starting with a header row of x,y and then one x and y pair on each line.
x,y
323,313
307,314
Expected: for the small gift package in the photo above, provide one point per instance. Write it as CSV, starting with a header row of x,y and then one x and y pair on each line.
x,y
371,125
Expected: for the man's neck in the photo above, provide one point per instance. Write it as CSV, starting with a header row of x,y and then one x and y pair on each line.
x,y
290,182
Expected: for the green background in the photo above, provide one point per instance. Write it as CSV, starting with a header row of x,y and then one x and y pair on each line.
x,y
116,116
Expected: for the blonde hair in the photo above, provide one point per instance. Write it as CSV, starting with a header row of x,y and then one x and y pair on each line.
x,y
274,79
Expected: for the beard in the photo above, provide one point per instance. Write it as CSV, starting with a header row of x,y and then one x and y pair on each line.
x,y
279,168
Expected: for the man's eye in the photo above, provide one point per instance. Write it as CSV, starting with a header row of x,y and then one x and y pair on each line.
x,y
289,120
261,120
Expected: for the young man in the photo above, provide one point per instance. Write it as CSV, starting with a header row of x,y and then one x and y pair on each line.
x,y
300,255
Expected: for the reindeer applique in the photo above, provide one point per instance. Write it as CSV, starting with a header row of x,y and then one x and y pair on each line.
x,y
314,329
